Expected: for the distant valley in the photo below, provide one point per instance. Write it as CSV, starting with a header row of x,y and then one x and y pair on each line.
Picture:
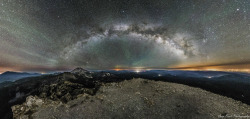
x,y
13,76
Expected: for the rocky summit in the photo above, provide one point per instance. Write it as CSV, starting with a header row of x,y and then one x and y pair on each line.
x,y
61,87
79,70
101,94
136,98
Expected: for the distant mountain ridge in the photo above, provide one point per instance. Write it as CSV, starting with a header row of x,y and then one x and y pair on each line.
x,y
13,76
79,70
82,71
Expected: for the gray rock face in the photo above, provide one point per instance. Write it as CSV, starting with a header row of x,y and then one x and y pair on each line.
x,y
79,70
65,88
82,72
32,104
63,91
136,98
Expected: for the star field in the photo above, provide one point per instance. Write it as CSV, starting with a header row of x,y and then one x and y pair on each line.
x,y
54,35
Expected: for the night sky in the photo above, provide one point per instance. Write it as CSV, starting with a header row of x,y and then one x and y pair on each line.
x,y
58,35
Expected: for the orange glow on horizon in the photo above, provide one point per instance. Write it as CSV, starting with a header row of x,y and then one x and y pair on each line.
x,y
117,69
217,69
201,68
4,69
223,67
228,68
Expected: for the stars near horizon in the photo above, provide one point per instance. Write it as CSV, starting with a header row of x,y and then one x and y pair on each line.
x,y
59,35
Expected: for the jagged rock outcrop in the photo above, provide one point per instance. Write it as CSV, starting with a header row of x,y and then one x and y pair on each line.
x,y
61,87
68,85
82,72
79,70
64,91
32,105
137,98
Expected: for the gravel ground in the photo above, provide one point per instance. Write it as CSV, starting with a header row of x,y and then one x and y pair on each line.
x,y
137,99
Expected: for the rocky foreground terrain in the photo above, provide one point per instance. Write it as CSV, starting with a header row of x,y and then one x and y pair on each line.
x,y
136,98
105,94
